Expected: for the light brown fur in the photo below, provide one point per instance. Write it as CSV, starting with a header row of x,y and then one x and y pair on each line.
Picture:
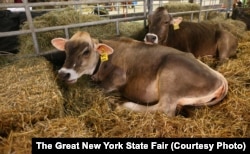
x,y
151,77
200,39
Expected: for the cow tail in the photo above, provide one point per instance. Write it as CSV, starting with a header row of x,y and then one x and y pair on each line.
x,y
220,93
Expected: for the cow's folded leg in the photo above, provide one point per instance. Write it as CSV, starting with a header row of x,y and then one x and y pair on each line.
x,y
168,109
168,106
140,108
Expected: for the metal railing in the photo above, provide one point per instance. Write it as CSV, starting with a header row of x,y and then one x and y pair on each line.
x,y
147,7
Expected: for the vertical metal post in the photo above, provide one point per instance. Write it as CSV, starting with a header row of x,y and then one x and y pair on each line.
x,y
229,6
31,25
117,28
200,11
148,7
66,31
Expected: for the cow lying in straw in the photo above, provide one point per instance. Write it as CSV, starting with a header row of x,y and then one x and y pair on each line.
x,y
152,81
201,39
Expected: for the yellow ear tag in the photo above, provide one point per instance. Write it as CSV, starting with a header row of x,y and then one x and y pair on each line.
x,y
104,57
176,26
104,54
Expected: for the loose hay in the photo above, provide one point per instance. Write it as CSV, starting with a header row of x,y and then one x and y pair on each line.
x,y
236,27
71,16
58,18
183,7
28,93
60,127
30,89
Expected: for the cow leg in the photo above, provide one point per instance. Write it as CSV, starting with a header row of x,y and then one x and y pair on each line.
x,y
168,106
140,108
227,45
223,50
163,105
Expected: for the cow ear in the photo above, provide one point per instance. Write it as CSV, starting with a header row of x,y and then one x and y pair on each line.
x,y
176,21
59,43
104,49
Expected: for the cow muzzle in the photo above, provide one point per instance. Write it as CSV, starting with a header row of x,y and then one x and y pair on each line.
x,y
67,75
151,38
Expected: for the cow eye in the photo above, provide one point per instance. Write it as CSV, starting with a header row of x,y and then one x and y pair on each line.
x,y
86,52
166,22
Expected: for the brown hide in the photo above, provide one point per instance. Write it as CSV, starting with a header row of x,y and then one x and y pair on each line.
x,y
242,14
111,77
201,39
156,76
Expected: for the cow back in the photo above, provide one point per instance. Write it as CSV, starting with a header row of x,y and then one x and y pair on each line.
x,y
197,38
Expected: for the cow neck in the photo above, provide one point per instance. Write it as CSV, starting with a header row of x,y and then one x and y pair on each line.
x,y
97,66
166,39
98,63
169,26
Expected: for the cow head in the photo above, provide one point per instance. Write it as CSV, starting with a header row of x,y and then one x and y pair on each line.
x,y
158,26
82,55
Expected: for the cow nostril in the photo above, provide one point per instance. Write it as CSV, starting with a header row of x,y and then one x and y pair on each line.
x,y
151,38
64,76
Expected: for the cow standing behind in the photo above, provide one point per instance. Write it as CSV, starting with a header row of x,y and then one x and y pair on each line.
x,y
201,39
150,80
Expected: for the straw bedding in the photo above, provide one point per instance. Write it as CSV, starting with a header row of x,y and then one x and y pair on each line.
x,y
28,93
34,103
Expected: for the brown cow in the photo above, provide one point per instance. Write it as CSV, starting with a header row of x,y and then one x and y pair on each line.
x,y
242,14
201,39
152,81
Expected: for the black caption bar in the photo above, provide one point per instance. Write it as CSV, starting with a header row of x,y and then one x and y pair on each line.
x,y
159,145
